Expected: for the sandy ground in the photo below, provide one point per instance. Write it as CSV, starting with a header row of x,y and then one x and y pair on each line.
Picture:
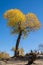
x,y
37,62
13,63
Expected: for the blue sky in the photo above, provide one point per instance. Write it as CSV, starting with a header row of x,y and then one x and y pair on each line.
x,y
34,38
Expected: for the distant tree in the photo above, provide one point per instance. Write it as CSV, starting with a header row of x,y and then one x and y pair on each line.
x,y
41,48
21,24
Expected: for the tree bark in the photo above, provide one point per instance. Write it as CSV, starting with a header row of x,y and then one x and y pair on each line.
x,y
17,43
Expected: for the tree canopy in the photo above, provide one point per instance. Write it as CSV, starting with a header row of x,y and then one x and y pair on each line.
x,y
19,21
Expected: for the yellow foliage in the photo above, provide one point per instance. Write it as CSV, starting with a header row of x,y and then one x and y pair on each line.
x,y
4,55
20,21
14,16
32,21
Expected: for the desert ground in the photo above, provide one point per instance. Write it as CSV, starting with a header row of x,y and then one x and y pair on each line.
x,y
37,62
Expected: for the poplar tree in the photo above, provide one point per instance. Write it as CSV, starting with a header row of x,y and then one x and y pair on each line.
x,y
21,24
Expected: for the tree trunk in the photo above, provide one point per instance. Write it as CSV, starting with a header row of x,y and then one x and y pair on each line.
x,y
17,44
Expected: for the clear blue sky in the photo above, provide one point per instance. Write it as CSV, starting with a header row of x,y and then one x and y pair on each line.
x,y
34,38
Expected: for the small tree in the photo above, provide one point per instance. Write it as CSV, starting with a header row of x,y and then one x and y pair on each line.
x,y
20,23
4,55
20,51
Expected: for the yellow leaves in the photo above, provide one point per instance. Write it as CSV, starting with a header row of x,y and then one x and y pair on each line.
x,y
4,55
14,16
11,23
20,21
32,21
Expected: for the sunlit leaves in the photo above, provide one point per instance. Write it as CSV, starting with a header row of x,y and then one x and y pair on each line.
x,y
19,21
32,21
14,16
4,55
